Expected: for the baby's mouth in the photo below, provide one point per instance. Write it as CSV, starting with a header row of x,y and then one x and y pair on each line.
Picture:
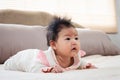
x,y
74,49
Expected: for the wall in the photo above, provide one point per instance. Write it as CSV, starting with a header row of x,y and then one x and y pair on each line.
x,y
116,37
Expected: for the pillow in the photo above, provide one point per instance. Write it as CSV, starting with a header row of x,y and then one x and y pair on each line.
x,y
96,42
14,38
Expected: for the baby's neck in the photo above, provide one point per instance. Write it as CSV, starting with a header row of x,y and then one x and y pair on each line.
x,y
65,62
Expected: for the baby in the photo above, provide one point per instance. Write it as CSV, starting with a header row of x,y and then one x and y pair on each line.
x,y
63,54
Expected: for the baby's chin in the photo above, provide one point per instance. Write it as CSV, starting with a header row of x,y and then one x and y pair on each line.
x,y
73,54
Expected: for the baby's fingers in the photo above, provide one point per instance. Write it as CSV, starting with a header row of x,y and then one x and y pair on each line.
x,y
90,66
47,70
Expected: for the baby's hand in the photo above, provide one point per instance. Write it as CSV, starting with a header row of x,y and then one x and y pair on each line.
x,y
89,66
47,70
55,69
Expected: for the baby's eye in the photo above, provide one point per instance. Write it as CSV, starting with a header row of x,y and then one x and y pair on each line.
x,y
76,38
67,38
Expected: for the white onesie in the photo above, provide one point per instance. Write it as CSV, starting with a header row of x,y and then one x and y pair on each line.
x,y
34,60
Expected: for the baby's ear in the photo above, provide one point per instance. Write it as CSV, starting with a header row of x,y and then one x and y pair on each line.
x,y
52,44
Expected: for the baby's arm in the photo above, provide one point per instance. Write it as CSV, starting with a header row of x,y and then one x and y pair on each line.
x,y
54,69
85,65
38,66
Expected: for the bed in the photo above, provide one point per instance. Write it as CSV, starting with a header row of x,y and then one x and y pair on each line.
x,y
21,30
105,72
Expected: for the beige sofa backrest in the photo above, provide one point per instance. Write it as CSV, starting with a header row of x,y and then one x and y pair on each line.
x,y
25,17
28,17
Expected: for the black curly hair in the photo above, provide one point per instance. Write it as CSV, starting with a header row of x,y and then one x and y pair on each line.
x,y
56,26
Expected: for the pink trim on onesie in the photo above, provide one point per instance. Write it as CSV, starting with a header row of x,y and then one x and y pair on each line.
x,y
43,58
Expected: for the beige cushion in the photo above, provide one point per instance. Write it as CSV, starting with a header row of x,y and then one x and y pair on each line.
x,y
97,42
14,38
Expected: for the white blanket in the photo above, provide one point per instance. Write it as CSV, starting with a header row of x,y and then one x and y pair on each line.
x,y
109,69
104,61
92,74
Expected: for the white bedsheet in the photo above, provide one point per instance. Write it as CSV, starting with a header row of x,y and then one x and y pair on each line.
x,y
109,69
104,61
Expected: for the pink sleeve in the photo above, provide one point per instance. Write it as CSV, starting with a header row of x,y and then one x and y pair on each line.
x,y
42,57
82,53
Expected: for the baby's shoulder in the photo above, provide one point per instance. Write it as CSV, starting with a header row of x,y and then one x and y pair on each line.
x,y
27,52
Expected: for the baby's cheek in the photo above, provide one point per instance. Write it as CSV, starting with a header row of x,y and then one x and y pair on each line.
x,y
79,46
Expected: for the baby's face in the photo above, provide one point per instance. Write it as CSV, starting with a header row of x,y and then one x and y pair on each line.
x,y
67,44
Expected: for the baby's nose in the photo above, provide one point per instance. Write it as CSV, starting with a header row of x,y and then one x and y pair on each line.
x,y
74,41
